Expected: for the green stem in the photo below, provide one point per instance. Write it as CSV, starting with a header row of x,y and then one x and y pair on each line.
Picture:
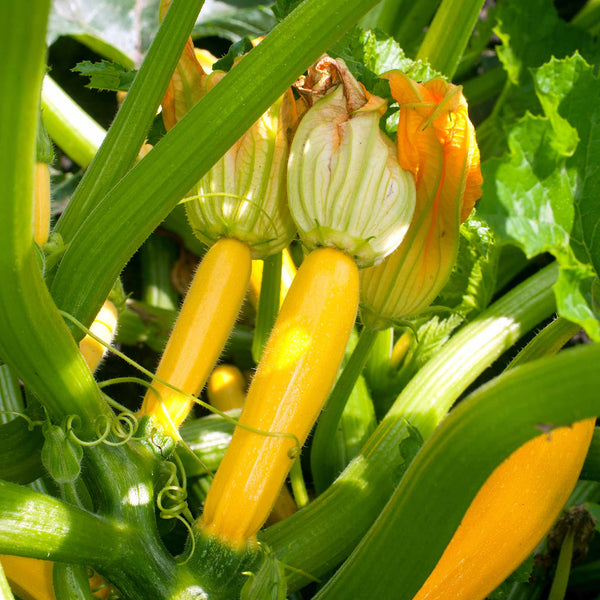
x,y
20,450
323,468
408,30
157,257
563,568
449,33
34,340
128,131
268,304
207,438
384,16
317,538
36,525
71,582
141,200
69,125
464,450
11,396
549,341
298,485
378,362
526,591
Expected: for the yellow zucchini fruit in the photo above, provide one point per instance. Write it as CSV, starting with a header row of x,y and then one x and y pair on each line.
x,y
295,375
41,209
29,578
510,515
226,388
200,332
105,327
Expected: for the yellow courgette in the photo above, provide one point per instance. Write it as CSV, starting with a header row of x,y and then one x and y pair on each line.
x,y
510,515
295,375
201,330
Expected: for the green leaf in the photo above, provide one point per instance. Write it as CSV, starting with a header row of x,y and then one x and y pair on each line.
x,y
106,75
570,95
234,19
542,197
531,32
282,8
472,282
526,196
156,131
118,29
369,54
236,50
409,447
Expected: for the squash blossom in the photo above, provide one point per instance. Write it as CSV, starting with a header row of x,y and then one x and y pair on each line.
x,y
346,187
244,195
436,143
186,86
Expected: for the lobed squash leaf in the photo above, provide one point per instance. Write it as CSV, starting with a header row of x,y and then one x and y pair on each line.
x,y
542,195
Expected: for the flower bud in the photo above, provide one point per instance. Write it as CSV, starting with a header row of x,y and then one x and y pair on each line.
x,y
346,189
244,195
436,142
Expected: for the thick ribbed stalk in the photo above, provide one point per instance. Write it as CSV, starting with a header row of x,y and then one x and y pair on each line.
x,y
33,337
157,256
295,375
69,125
548,342
326,531
11,395
202,328
449,33
51,528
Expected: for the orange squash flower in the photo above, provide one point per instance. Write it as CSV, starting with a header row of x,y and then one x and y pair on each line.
x,y
186,86
436,143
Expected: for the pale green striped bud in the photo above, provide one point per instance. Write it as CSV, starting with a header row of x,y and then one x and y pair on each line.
x,y
244,195
345,186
